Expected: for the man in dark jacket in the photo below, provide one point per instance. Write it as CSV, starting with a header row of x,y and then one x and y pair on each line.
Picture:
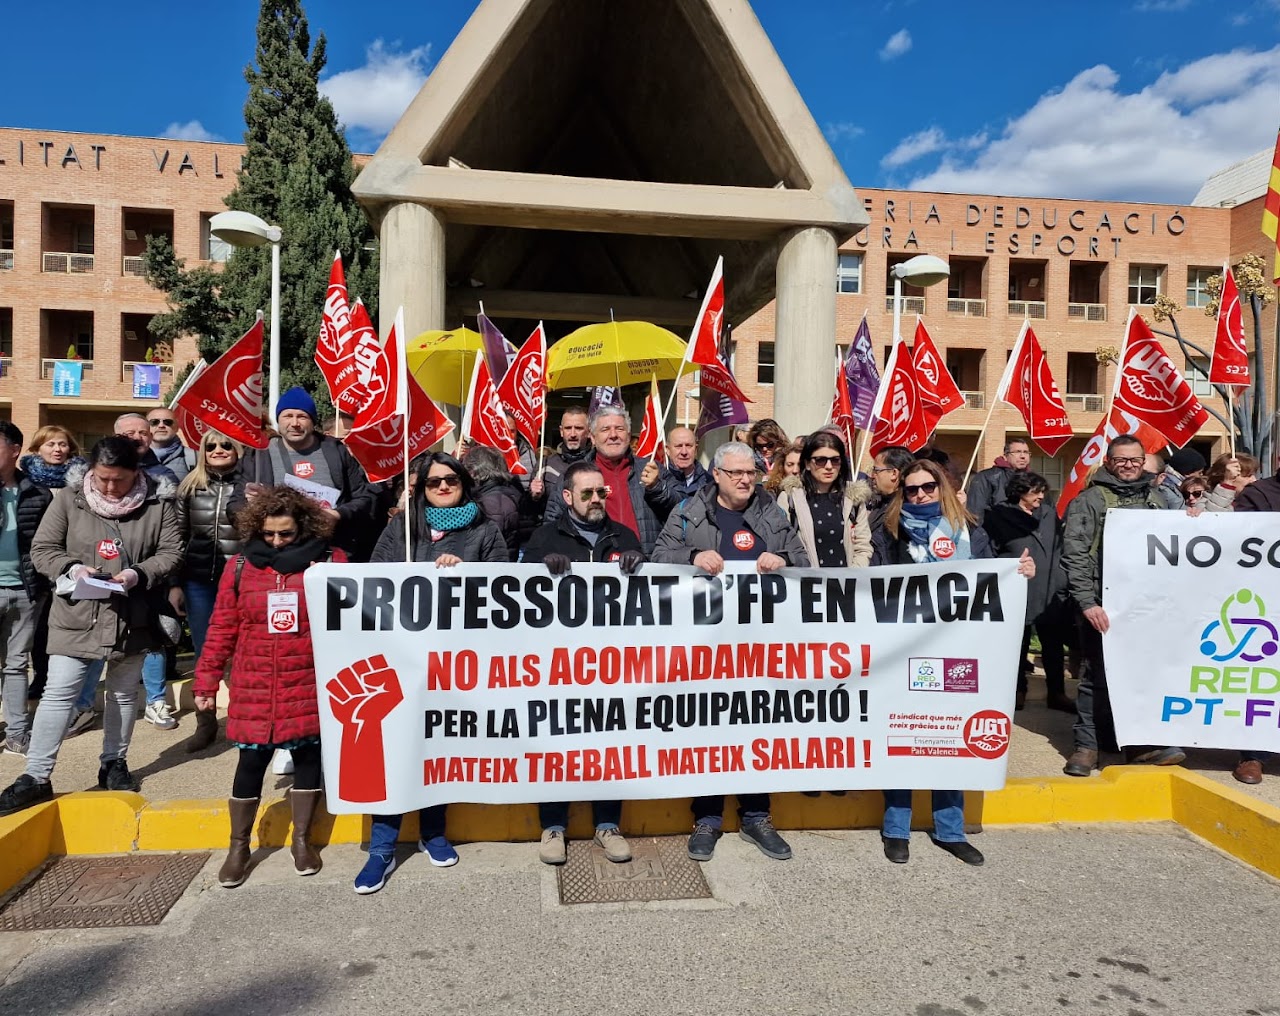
x,y
1121,483
317,464
732,521
684,472
584,532
22,588
887,470
574,446
987,488
640,499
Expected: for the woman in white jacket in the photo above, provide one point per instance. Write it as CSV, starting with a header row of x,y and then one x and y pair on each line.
x,y
827,506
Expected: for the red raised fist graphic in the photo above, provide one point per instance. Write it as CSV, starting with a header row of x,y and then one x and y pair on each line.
x,y
361,697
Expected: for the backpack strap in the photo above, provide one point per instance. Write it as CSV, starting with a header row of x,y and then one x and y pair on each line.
x,y
235,585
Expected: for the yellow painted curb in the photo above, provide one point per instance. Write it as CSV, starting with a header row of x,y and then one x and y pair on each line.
x,y
1230,819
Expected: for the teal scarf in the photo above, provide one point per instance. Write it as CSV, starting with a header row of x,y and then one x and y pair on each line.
x,y
445,520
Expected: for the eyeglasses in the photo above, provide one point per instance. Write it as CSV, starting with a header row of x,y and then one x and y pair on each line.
x,y
1128,462
912,489
587,493
278,534
226,446
162,423
825,461
436,482
883,469
740,474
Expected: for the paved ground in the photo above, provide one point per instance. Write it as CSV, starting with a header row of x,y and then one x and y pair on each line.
x,y
1050,925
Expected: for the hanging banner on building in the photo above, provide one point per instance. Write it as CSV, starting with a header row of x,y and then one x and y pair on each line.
x,y
68,376
1193,654
146,381
504,684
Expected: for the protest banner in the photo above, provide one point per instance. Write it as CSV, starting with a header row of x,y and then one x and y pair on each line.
x,y
1193,654
504,684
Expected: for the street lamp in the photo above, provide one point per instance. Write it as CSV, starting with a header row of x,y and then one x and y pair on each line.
x,y
923,270
244,229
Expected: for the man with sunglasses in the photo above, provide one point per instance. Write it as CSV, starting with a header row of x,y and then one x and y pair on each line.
x,y
584,532
733,520
1122,482
167,446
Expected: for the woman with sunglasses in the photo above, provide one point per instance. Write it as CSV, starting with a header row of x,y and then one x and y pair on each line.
x,y
767,439
260,626
828,506
446,526
927,524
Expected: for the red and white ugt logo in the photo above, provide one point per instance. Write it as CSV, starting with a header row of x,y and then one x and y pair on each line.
x,y
986,733
943,547
744,540
304,470
107,550
284,619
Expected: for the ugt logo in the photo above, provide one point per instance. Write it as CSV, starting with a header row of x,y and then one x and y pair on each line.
x,y
360,698
1241,631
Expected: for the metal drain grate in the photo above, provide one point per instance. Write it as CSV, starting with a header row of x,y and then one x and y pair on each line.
x,y
659,869
101,892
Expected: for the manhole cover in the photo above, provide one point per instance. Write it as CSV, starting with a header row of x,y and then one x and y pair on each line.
x,y
101,892
659,869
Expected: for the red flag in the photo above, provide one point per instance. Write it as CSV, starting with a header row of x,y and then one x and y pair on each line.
x,y
704,341
900,418
190,429
227,396
523,389
1151,388
1271,212
939,393
1110,427
1029,387
365,351
651,444
842,409
376,438
334,344
484,421
720,380
1230,363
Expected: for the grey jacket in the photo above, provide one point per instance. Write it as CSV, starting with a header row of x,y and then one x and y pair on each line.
x,y
1083,527
854,513
692,529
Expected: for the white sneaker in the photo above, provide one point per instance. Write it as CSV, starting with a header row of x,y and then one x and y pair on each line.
x,y
158,713
282,762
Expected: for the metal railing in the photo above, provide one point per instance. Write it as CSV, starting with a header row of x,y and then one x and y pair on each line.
x,y
974,400
969,308
133,265
910,305
46,366
6,260
1087,311
66,264
1028,308
126,368
1089,403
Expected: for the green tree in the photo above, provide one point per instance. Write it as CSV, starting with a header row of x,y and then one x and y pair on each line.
x,y
297,175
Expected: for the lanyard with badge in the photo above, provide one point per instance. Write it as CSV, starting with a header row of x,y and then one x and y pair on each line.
x,y
282,610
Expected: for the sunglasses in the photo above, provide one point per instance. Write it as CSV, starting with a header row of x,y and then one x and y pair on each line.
x,y
1193,495
162,423
436,482
587,493
278,534
765,446
912,489
823,461
226,446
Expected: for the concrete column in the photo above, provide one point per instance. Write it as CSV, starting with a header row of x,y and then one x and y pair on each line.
x,y
805,330
411,259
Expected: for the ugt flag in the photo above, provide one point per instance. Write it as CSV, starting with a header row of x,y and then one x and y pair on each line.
x,y
227,395
651,444
939,393
523,389
1110,427
1230,363
1029,387
484,420
900,417
335,342
1151,388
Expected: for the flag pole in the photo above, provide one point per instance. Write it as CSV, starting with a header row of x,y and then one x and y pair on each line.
x,y
1231,417
878,405
688,346
1001,389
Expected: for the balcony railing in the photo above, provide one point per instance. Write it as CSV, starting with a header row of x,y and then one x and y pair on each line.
x,y
974,400
969,308
6,260
6,364
1027,308
1087,311
133,266
910,305
126,368
46,366
1088,403
66,264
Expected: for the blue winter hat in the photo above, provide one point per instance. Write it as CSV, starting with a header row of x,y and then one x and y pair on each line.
x,y
297,398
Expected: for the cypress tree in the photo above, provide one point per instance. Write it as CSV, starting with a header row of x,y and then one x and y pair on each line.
x,y
296,174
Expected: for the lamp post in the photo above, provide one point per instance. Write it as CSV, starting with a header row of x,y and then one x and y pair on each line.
x,y
923,270
244,229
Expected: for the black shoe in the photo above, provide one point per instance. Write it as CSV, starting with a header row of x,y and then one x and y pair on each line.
x,y
24,792
811,793
898,851
115,775
764,836
967,852
702,844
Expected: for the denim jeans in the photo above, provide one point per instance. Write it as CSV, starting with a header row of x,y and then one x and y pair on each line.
x,y
385,829
948,815
89,693
18,616
66,679
709,811
200,597
605,814
153,668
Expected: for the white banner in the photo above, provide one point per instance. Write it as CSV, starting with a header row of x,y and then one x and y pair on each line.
x,y
1194,603
503,684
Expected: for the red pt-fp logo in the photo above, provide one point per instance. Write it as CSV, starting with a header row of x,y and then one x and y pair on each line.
x,y
986,733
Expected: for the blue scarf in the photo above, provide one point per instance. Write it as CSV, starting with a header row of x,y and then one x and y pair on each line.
x,y
445,520
44,475
931,535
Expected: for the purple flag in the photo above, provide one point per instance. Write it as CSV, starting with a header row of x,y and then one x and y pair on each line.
x,y
603,396
495,347
861,377
719,410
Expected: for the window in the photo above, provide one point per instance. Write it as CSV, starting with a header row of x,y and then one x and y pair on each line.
x,y
764,363
1197,285
6,230
849,273
212,248
1082,374
6,331
1197,373
82,238
1144,284
82,339
1051,469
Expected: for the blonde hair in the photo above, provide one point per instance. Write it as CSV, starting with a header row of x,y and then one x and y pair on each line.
x,y
48,431
952,510
198,478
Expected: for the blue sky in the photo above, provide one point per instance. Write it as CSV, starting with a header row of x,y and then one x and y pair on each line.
x,y
1131,99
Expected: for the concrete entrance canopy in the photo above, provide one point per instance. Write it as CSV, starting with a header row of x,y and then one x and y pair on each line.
x,y
570,158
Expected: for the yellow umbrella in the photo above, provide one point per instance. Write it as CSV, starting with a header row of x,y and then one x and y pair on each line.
x,y
614,353
442,362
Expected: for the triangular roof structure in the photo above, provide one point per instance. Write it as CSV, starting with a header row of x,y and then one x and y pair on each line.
x,y
590,156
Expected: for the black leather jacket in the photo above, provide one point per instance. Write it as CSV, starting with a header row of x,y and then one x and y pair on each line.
x,y
208,534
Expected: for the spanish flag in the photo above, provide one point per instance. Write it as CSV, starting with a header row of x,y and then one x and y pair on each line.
x,y
1271,210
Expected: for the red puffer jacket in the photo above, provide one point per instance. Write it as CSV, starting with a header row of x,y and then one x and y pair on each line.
x,y
273,676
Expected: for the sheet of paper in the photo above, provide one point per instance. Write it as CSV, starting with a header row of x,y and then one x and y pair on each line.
x,y
89,588
325,497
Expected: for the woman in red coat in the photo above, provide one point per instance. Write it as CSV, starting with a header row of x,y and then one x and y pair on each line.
x,y
260,625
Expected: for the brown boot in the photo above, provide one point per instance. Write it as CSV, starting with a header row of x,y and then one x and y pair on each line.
x,y
1081,763
244,810
303,805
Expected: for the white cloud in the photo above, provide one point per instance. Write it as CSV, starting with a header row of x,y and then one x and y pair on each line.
x,y
372,98
192,130
1162,5
842,130
1091,139
915,146
899,42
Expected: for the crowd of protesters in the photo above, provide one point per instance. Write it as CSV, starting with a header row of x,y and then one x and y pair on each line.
x,y
102,557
